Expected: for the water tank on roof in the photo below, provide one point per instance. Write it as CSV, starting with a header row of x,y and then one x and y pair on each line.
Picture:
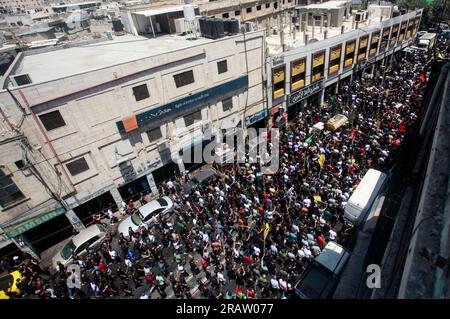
x,y
117,25
209,28
395,13
202,24
234,26
189,12
226,25
218,25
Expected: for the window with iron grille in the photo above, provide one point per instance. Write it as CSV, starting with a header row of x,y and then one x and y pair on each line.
x,y
77,166
225,15
258,8
237,12
52,120
154,134
191,118
222,66
9,192
227,104
249,10
140,92
184,78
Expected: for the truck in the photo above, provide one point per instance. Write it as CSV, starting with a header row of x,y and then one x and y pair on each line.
x,y
362,198
426,41
321,277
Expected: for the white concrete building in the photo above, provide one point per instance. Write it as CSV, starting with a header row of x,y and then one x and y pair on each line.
x,y
114,117
309,61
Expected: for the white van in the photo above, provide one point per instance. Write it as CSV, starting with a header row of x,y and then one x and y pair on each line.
x,y
362,198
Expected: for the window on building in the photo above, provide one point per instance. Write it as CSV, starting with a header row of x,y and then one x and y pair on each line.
x,y
334,62
249,10
77,166
52,120
237,12
267,5
140,92
227,104
258,8
9,192
192,118
349,53
298,74
278,82
19,164
318,66
226,15
154,134
275,5
184,78
22,79
222,66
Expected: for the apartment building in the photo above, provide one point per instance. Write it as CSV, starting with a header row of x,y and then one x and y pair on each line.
x,y
114,118
21,5
306,68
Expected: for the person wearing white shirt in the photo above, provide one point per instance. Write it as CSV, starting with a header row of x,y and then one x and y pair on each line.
x,y
332,234
275,284
273,249
307,252
256,251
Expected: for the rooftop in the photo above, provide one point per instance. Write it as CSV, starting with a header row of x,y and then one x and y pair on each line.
x,y
60,63
161,10
292,42
325,5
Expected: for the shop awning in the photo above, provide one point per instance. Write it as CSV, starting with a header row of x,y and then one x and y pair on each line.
x,y
15,230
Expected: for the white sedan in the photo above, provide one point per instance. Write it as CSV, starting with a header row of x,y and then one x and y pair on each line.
x,y
90,238
157,208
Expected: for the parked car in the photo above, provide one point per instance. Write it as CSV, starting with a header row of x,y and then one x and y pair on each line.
x,y
90,238
8,285
201,178
158,207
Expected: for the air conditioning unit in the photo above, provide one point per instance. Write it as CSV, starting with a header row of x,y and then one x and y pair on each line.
x,y
361,16
180,25
249,26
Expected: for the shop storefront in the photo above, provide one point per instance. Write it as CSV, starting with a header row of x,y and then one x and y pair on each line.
x,y
98,204
311,95
164,172
44,230
257,120
134,189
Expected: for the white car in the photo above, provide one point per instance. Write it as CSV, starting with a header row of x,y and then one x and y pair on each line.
x,y
92,237
157,207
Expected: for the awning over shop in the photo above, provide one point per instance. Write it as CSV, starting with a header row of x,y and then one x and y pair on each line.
x,y
15,230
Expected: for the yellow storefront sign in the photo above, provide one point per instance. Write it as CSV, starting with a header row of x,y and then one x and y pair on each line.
x,y
335,53
363,43
318,60
350,47
297,85
298,68
278,76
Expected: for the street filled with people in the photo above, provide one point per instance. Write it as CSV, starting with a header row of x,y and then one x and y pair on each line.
x,y
243,234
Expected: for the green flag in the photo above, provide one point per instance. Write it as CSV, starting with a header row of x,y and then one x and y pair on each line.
x,y
308,140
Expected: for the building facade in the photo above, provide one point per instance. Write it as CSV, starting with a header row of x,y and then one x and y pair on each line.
x,y
116,118
308,74
20,5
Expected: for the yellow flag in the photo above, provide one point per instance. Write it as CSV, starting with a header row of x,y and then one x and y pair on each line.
x,y
318,198
266,230
321,160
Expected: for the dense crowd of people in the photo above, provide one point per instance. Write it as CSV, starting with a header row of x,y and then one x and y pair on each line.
x,y
216,234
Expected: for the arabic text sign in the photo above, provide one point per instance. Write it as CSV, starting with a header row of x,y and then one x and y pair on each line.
x,y
305,92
